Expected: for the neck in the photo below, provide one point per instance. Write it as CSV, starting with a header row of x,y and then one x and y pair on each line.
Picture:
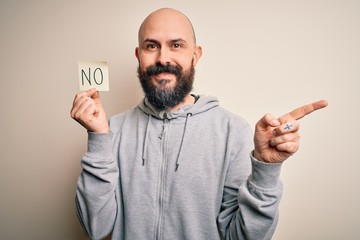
x,y
188,100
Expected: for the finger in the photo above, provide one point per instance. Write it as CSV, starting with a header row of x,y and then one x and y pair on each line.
x,y
79,98
78,101
288,147
286,128
84,106
304,110
86,109
85,93
89,112
289,137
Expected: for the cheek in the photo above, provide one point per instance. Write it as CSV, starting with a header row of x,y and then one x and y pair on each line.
x,y
145,61
187,65
186,62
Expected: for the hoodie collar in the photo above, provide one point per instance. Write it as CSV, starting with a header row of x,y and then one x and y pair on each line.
x,y
201,105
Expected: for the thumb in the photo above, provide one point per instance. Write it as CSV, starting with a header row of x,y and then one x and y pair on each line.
x,y
93,93
267,121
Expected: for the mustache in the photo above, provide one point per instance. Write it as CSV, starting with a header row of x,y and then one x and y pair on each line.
x,y
159,68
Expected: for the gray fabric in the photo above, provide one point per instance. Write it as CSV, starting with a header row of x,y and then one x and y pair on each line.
x,y
184,174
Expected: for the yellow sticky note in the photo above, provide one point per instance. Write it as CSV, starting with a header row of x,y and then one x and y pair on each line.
x,y
93,74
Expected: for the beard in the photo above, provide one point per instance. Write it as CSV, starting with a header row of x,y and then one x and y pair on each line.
x,y
160,95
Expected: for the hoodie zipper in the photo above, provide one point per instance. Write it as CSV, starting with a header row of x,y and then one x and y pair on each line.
x,y
162,180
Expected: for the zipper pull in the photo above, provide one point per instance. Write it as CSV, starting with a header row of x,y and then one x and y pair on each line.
x,y
164,128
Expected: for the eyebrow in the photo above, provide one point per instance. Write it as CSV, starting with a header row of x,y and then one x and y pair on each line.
x,y
177,40
149,40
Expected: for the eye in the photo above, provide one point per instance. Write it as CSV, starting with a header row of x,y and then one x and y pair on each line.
x,y
151,46
177,45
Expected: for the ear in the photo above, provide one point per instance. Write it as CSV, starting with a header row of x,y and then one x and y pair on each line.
x,y
197,54
137,53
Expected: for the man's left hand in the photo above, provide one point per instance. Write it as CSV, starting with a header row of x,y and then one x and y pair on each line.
x,y
276,139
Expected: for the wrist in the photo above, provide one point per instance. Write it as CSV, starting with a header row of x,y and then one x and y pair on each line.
x,y
105,130
257,156
99,129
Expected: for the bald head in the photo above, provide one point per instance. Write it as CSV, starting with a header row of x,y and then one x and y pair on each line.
x,y
167,21
167,56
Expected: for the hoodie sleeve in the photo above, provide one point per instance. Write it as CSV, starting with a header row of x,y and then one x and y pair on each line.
x,y
251,197
95,195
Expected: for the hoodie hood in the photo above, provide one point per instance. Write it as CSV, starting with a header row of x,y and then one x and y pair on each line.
x,y
202,104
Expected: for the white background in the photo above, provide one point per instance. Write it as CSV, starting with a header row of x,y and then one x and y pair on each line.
x,y
259,57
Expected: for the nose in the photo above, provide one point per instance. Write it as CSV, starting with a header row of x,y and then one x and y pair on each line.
x,y
164,57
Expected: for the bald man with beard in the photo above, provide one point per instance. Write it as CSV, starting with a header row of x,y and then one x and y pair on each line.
x,y
179,166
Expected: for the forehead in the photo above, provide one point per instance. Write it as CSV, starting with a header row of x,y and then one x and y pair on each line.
x,y
166,25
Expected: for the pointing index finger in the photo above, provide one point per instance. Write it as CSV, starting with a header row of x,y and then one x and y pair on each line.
x,y
306,109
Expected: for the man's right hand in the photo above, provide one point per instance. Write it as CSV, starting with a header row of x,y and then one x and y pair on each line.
x,y
88,111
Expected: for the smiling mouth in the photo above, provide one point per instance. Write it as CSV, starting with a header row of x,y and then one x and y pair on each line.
x,y
164,75
164,79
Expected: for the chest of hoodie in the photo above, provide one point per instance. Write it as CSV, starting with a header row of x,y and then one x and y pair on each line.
x,y
176,165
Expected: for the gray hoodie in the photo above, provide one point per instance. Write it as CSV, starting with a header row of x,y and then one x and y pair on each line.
x,y
185,174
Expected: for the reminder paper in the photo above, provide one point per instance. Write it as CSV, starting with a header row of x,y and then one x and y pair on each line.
x,y
93,74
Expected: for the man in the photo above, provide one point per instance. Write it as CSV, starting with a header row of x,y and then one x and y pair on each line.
x,y
178,166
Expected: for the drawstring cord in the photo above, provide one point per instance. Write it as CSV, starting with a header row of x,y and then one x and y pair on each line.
x,y
144,150
146,140
182,141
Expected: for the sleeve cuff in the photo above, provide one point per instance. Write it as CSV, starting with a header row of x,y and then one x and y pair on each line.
x,y
265,175
100,143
